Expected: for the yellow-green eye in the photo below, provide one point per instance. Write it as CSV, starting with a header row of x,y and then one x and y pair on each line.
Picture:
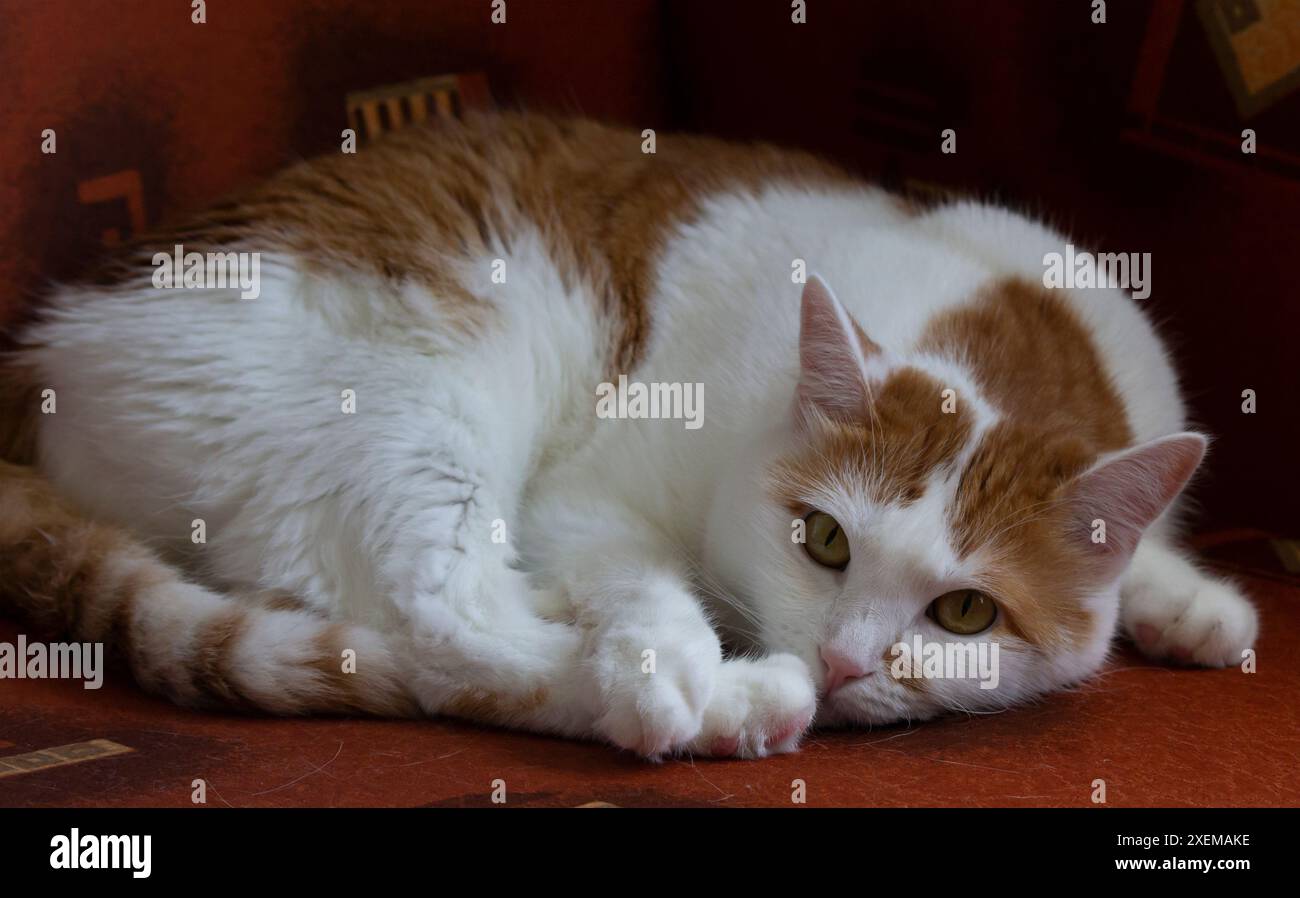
x,y
964,611
825,541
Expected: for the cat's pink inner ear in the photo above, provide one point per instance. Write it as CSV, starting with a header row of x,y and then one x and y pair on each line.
x,y
833,355
1115,501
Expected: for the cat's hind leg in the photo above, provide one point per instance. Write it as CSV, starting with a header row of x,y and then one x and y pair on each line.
x,y
496,660
482,643
1171,609
483,647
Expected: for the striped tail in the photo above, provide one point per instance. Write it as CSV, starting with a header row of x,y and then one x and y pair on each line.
x,y
68,576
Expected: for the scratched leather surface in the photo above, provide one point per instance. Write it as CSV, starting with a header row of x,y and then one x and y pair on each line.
x,y
1157,736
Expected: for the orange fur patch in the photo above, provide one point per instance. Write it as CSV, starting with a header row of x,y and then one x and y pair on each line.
x,y
487,707
893,449
51,560
20,402
354,692
916,684
408,205
65,575
209,662
1035,361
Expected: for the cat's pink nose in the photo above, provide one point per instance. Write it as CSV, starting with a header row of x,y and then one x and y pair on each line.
x,y
841,668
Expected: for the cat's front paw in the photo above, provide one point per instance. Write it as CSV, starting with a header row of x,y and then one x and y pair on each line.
x,y
760,707
654,691
1190,619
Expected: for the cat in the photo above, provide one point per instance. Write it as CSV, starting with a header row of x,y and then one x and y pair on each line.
x,y
382,485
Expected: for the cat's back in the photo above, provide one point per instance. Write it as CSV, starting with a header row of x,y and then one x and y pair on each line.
x,y
503,261
1106,321
419,227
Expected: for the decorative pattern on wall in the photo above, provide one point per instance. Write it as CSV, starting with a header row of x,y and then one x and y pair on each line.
x,y
1257,43
374,111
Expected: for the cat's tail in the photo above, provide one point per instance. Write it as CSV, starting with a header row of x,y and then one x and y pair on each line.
x,y
71,577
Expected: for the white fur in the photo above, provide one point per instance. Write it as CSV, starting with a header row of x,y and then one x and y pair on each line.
x,y
636,534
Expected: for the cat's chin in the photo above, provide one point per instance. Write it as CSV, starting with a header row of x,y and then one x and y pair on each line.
x,y
863,709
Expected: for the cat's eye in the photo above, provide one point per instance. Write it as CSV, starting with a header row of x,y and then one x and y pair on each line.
x,y
825,542
964,611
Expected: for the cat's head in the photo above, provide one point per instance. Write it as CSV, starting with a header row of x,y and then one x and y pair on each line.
x,y
903,504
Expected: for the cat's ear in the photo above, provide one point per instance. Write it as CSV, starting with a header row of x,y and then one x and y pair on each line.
x,y
1113,502
834,357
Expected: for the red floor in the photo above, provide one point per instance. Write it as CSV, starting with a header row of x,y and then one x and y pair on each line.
x,y
1157,736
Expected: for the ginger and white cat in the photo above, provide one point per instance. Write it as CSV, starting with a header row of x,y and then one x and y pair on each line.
x,y
942,431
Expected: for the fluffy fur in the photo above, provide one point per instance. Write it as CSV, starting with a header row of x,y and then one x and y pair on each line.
x,y
647,591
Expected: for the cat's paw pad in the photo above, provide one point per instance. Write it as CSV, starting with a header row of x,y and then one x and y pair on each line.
x,y
654,692
1203,622
759,708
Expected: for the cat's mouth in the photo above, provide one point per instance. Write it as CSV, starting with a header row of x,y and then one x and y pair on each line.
x,y
867,703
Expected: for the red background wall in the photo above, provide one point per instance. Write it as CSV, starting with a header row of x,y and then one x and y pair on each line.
x,y
201,109
1053,113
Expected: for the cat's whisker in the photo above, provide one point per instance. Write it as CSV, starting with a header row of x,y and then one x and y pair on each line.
x,y
358,440
708,585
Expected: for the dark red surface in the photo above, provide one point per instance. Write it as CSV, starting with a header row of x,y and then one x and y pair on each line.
x,y
199,110
1158,736
1050,118
1052,114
